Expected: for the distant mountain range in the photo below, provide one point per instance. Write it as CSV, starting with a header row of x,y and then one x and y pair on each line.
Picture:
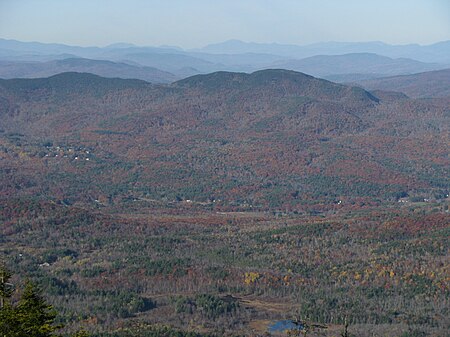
x,y
270,139
422,85
335,61
10,69
434,53
361,64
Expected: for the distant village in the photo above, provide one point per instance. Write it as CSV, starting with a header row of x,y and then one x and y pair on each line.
x,y
66,151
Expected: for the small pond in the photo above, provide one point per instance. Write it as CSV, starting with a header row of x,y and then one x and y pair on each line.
x,y
280,326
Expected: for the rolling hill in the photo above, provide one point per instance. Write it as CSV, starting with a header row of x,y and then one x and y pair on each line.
x,y
270,139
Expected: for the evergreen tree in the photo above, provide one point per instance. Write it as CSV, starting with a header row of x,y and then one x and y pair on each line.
x,y
8,319
35,316
9,322
32,316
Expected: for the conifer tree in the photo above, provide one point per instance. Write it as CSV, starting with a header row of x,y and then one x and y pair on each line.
x,y
36,317
32,316
8,319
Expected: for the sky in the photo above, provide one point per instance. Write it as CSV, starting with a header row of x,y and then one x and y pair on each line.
x,y
196,23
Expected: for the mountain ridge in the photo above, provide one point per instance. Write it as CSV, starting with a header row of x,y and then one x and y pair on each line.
x,y
421,85
434,52
102,68
184,63
356,63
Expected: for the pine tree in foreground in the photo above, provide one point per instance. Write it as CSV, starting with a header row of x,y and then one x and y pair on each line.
x,y
32,316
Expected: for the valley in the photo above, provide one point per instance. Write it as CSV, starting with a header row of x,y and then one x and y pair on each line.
x,y
220,204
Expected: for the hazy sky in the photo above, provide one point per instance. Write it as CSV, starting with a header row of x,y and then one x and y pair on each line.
x,y
194,23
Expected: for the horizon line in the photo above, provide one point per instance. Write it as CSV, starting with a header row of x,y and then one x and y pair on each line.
x,y
169,46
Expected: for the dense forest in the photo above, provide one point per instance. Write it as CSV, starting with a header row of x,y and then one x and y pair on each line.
x,y
384,269
223,205
270,140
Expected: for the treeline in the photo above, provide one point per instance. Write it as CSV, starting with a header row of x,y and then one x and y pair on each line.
x,y
151,331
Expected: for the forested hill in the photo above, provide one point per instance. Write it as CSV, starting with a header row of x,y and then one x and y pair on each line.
x,y
270,139
70,82
276,82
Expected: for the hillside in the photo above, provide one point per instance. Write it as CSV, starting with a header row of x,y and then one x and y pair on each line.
x,y
270,139
266,139
422,85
